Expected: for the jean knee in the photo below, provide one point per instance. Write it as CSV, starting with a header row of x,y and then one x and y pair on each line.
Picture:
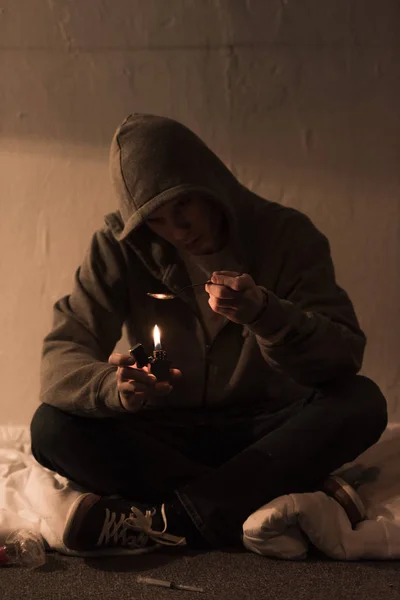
x,y
371,413
375,401
47,429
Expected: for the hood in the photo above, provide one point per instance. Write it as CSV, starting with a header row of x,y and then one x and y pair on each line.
x,y
155,159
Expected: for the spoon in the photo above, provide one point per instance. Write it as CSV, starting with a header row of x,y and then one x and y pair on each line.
x,y
172,296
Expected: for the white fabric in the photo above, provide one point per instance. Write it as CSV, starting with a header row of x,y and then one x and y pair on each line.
x,y
35,498
285,527
31,497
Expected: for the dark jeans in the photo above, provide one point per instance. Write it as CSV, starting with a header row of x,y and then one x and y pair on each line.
x,y
221,466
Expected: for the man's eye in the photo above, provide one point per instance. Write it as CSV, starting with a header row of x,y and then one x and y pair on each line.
x,y
183,202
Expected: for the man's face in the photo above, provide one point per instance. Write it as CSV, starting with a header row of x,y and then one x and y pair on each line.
x,y
193,224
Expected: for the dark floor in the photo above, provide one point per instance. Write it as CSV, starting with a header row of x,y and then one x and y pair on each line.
x,y
234,576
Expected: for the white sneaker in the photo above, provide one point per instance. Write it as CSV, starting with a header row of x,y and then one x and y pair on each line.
x,y
109,525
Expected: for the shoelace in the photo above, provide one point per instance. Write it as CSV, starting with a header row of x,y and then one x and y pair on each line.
x,y
120,531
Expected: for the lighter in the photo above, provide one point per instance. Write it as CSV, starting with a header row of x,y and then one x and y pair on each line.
x,y
160,365
140,356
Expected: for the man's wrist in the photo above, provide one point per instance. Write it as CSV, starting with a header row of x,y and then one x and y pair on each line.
x,y
264,303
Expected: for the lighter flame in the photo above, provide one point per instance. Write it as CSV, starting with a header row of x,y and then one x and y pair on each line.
x,y
157,338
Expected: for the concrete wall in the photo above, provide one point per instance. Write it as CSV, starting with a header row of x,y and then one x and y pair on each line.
x,y
299,97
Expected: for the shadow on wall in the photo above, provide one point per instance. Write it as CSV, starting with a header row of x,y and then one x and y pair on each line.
x,y
285,81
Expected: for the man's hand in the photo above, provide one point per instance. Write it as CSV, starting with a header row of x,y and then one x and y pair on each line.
x,y
238,299
137,387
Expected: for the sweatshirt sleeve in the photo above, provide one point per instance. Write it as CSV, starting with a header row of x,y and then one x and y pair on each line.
x,y
309,329
75,375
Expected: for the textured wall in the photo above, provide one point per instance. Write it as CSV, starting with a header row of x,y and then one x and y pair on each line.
x,y
299,97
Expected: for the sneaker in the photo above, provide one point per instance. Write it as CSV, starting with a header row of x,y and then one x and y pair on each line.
x,y
98,523
345,494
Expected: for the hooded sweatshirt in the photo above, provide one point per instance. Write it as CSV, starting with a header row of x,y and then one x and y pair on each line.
x,y
200,268
307,334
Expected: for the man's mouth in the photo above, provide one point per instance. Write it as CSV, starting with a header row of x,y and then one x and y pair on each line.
x,y
191,243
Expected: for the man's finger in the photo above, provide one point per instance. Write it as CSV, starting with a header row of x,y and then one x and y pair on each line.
x,y
163,388
133,402
238,282
118,359
221,291
228,303
228,273
127,373
175,375
243,282
226,311
221,305
132,387
224,277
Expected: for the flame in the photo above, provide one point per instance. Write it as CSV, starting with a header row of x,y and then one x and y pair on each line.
x,y
157,338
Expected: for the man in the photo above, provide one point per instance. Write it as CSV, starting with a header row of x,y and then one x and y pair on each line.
x,y
263,397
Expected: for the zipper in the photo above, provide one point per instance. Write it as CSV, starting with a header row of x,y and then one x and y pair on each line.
x,y
206,375
208,348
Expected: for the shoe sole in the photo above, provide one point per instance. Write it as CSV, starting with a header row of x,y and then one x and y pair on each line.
x,y
75,518
108,552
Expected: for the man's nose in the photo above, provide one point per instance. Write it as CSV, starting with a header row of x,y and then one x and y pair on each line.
x,y
180,230
181,235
